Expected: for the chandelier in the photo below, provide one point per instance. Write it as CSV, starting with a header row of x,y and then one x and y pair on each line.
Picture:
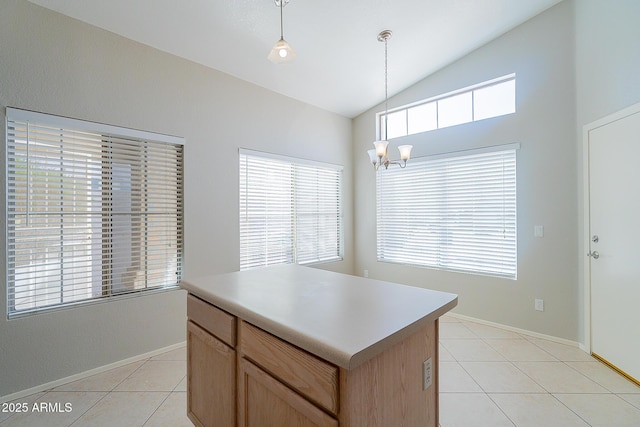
x,y
379,155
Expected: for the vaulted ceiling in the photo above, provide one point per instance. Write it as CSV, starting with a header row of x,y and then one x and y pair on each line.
x,y
339,65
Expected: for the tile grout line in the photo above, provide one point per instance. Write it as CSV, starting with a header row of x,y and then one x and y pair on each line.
x,y
155,410
90,407
563,404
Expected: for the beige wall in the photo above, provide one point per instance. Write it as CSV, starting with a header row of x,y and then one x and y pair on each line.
x,y
54,64
541,53
607,80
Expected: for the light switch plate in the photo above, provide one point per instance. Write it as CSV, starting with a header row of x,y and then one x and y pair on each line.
x,y
538,231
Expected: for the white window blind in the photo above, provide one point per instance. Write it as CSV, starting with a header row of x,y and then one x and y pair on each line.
x,y
453,213
93,211
290,211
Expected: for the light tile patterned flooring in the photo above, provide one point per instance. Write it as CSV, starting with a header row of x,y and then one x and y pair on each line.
x,y
488,377
494,377
148,393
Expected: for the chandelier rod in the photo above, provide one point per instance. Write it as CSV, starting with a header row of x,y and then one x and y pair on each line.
x,y
386,96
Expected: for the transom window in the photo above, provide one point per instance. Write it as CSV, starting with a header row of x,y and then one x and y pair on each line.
x,y
453,212
290,210
492,98
93,211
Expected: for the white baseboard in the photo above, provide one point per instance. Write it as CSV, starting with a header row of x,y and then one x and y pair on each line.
x,y
518,330
85,374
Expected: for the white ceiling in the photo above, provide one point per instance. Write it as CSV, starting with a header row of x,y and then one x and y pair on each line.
x,y
340,63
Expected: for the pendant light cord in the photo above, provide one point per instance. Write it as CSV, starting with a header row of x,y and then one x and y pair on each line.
x,y
281,24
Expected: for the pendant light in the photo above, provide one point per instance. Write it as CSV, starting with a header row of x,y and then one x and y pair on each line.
x,y
379,155
282,51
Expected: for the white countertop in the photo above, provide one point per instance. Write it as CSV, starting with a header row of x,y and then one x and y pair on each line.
x,y
343,319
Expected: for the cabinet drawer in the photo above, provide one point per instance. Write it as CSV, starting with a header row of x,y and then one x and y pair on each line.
x,y
215,321
304,372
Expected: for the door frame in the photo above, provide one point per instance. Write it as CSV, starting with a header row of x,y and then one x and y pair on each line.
x,y
586,288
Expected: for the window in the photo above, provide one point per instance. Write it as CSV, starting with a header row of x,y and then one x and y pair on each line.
x,y
93,211
455,212
290,211
455,110
482,101
494,100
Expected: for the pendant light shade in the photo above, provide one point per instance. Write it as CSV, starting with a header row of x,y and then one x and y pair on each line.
x,y
281,51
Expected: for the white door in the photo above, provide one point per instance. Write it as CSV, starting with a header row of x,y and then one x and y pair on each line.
x,y
614,227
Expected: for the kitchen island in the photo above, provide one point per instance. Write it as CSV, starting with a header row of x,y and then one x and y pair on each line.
x,y
298,346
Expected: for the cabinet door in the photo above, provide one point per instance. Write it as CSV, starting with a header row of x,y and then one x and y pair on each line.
x,y
265,402
211,379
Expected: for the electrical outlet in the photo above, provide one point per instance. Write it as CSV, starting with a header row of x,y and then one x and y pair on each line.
x,y
366,273
539,304
427,374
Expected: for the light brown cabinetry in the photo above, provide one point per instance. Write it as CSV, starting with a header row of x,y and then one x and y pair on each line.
x,y
211,379
265,401
211,362
251,378
309,375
